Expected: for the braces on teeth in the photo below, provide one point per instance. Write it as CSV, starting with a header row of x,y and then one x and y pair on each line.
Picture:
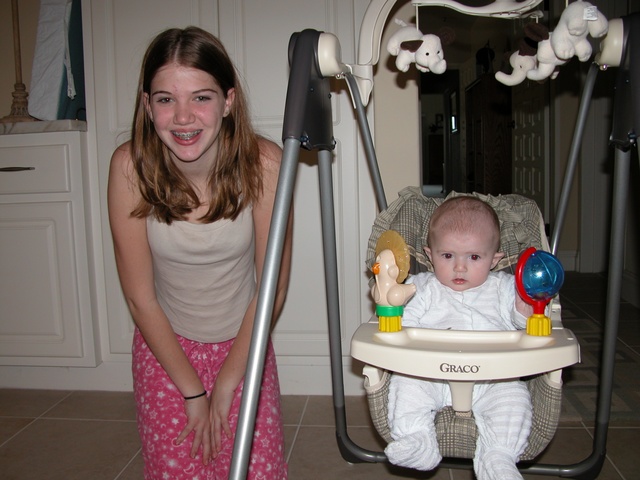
x,y
186,136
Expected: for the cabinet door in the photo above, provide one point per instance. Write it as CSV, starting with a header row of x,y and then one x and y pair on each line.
x,y
40,309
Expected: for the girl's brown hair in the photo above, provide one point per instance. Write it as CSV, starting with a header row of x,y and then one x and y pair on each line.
x,y
235,180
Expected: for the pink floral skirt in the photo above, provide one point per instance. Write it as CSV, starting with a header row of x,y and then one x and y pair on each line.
x,y
161,417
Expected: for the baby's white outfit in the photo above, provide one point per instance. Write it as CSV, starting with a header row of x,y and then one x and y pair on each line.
x,y
502,409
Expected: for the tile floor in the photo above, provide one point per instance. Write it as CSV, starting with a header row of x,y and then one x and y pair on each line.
x,y
65,435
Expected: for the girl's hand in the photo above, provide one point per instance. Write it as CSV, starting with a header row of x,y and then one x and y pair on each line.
x,y
197,411
221,400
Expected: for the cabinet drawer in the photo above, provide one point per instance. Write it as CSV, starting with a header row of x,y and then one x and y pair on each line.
x,y
34,169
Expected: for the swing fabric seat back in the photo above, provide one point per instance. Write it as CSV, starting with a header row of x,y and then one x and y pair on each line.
x,y
521,227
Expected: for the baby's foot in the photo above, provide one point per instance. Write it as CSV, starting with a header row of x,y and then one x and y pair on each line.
x,y
416,450
497,465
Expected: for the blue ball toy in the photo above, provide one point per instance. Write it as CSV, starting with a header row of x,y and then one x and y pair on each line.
x,y
542,276
539,276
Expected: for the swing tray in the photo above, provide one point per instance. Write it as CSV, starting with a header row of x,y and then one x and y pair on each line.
x,y
464,355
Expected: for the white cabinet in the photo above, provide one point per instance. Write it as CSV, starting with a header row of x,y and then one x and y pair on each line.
x,y
45,294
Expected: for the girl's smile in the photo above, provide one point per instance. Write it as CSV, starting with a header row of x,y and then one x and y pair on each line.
x,y
187,107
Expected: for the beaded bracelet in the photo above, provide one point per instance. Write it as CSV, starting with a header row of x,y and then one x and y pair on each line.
x,y
196,396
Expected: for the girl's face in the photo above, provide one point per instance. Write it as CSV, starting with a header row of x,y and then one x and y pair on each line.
x,y
463,260
187,106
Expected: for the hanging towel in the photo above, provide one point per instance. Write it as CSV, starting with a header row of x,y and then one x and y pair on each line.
x,y
51,60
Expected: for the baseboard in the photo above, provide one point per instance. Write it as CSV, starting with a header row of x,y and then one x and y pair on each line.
x,y
108,376
631,288
298,376
568,259
305,378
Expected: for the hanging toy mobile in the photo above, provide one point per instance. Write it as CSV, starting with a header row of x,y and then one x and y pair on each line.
x,y
539,276
390,269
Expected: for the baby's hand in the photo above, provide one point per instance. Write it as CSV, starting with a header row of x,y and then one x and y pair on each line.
x,y
523,307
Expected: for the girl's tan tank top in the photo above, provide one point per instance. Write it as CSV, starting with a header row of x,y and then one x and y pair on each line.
x,y
204,274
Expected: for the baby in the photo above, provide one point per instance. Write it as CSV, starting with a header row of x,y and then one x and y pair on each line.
x,y
462,294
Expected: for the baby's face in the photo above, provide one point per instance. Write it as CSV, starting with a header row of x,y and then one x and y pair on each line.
x,y
463,260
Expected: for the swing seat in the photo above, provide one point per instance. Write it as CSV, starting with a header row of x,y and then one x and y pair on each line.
x,y
464,357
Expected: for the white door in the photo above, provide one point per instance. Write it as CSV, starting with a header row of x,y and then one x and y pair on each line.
x,y
530,143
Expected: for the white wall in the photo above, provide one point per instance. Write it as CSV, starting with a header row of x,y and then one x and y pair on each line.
x,y
397,115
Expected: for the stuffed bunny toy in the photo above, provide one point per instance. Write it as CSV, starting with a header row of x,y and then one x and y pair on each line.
x,y
577,21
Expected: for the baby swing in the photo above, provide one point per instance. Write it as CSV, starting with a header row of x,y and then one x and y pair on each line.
x,y
314,58
462,357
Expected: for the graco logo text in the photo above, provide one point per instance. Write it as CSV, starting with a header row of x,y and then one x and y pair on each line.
x,y
450,368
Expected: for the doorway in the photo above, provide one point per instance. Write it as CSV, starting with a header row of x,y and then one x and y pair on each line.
x,y
440,131
479,49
